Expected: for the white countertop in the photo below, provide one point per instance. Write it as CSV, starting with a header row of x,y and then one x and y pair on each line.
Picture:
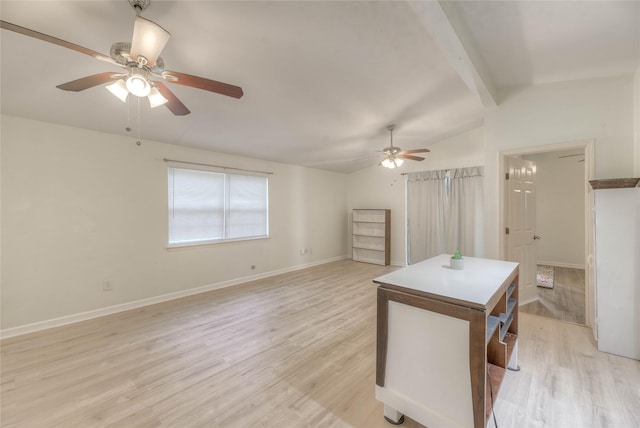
x,y
476,283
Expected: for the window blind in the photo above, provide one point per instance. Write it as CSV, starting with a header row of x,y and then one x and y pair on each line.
x,y
207,206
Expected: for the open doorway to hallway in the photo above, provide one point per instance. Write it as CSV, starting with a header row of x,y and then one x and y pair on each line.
x,y
560,235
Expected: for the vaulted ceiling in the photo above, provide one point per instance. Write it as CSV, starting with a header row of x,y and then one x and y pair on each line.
x,y
321,79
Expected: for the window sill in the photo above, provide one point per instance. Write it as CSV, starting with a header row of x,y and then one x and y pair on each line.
x,y
200,244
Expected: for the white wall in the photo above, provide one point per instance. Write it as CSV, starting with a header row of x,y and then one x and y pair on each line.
x,y
560,221
598,109
79,207
378,187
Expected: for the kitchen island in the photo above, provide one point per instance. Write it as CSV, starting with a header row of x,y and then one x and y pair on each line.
x,y
445,338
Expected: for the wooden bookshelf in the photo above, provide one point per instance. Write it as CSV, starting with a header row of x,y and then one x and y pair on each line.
x,y
371,236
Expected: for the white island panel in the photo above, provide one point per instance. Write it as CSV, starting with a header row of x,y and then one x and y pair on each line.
x,y
413,368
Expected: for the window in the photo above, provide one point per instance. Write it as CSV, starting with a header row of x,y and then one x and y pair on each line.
x,y
206,206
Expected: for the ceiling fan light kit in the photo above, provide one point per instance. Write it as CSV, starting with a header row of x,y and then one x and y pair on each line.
x,y
137,82
392,163
141,58
119,89
155,98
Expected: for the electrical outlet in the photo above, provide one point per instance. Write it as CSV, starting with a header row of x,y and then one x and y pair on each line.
x,y
107,285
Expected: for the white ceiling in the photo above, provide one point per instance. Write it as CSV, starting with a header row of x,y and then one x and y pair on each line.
x,y
322,80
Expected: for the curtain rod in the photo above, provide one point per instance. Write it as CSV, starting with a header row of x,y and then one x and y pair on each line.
x,y
218,166
407,173
446,169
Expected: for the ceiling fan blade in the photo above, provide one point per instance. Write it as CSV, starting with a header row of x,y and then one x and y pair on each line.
x,y
416,151
148,40
415,158
56,41
173,103
89,81
202,83
570,156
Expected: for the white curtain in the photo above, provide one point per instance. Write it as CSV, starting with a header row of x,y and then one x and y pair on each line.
x,y
466,211
444,213
426,217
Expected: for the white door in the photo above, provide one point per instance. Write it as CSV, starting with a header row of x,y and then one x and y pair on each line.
x,y
521,222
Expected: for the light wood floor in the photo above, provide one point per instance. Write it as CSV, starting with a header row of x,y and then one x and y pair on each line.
x,y
565,301
296,350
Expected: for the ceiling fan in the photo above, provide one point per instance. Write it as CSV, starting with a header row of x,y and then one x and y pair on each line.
x,y
142,62
395,156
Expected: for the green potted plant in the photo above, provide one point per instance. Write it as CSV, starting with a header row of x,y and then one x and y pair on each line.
x,y
457,262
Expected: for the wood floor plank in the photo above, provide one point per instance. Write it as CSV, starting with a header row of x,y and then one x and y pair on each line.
x,y
294,350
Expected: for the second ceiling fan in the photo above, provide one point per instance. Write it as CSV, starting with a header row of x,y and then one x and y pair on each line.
x,y
394,156
142,61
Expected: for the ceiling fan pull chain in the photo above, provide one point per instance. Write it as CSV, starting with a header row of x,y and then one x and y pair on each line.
x,y
139,126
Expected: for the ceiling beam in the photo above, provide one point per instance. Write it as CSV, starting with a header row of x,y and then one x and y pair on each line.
x,y
441,20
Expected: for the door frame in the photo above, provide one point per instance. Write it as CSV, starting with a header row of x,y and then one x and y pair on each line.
x,y
589,171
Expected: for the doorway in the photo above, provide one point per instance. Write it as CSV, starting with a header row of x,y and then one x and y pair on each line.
x,y
563,229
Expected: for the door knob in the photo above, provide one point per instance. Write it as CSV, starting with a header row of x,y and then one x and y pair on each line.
x,y
537,236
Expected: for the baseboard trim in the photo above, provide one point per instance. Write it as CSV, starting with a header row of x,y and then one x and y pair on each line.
x,y
527,294
529,300
560,264
97,313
